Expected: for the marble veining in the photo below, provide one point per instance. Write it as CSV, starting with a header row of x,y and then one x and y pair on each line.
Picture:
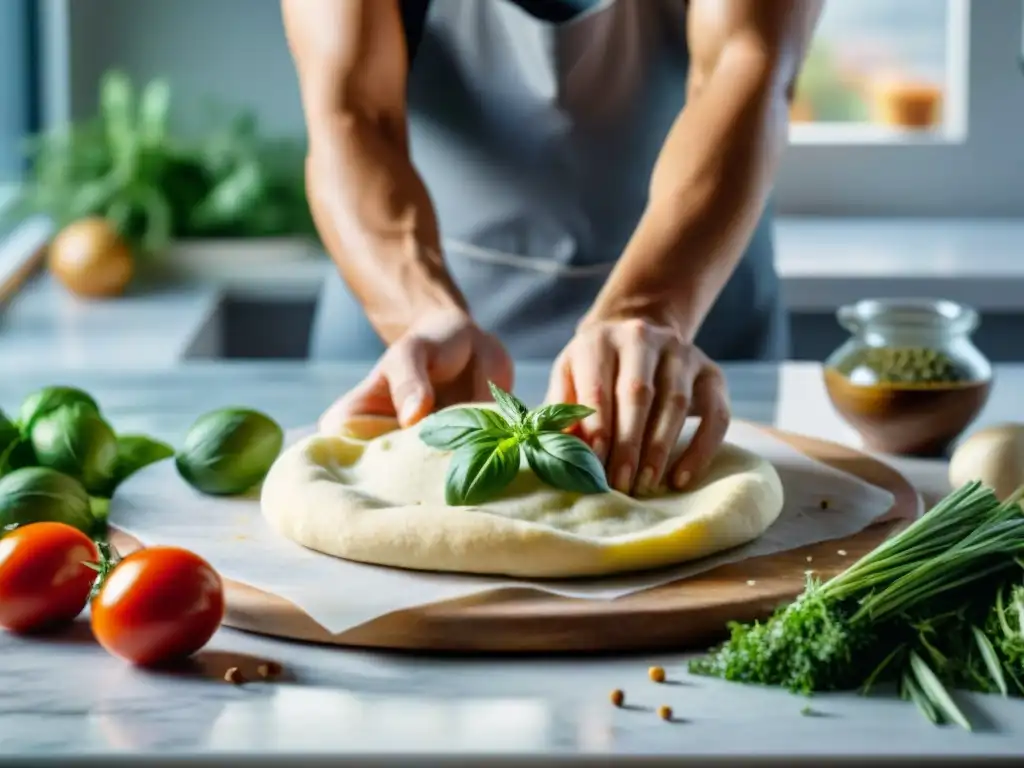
x,y
62,697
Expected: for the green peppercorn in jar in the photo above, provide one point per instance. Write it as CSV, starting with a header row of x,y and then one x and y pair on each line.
x,y
909,379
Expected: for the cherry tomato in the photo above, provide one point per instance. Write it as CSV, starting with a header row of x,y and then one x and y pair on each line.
x,y
44,579
157,605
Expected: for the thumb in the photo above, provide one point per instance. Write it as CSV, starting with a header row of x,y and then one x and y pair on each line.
x,y
368,397
408,380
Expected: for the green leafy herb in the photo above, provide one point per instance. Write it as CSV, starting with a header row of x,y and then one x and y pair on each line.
x,y
133,453
936,692
453,428
565,462
991,659
512,406
480,470
936,607
551,418
489,445
125,164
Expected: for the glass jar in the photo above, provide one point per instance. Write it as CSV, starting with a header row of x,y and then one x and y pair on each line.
x,y
909,379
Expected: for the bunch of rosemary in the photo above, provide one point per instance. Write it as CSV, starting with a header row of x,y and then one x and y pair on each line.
x,y
940,605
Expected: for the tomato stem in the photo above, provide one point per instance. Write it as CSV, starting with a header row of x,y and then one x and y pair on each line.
x,y
108,560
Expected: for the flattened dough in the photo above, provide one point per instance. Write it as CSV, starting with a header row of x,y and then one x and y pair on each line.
x,y
381,500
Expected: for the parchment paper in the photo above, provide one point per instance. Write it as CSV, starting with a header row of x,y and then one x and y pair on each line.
x,y
157,507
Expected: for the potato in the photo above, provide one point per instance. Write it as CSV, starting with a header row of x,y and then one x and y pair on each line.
x,y
994,455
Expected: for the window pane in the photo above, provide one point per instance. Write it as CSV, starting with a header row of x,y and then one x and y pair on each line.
x,y
14,86
879,62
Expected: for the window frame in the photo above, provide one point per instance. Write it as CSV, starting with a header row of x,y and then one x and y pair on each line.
x,y
19,84
972,170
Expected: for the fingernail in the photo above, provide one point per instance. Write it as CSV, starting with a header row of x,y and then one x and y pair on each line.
x,y
409,409
682,478
625,471
643,485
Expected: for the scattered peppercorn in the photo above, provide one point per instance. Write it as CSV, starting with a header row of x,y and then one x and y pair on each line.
x,y
664,712
824,504
268,669
234,676
617,697
657,674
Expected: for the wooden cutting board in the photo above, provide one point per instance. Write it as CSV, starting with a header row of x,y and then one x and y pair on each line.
x,y
683,615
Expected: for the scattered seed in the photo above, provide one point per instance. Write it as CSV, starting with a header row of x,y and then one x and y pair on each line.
x,y
751,582
824,504
268,669
841,553
657,674
617,697
809,558
807,711
665,712
234,676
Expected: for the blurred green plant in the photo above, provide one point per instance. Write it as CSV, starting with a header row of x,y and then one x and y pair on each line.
x,y
125,165
822,86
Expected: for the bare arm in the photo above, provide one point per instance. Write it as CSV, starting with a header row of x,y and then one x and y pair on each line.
x,y
716,167
370,205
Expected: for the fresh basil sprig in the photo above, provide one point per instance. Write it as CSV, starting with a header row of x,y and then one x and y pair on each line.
x,y
487,446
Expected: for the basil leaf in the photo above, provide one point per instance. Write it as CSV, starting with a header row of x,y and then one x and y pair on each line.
x,y
555,418
481,470
451,429
509,403
565,462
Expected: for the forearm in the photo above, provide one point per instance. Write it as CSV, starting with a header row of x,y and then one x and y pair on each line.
x,y
377,222
707,192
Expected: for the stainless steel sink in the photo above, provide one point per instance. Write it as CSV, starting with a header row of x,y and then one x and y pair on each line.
x,y
246,328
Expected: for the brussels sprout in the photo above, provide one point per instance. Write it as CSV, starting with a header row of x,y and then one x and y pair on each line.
x,y
49,399
8,432
39,494
15,451
74,439
227,452
133,453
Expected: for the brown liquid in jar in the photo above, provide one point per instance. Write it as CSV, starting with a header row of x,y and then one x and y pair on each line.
x,y
905,418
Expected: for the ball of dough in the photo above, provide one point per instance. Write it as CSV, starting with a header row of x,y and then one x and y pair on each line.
x,y
381,501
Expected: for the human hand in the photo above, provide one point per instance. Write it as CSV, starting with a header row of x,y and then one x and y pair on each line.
x,y
441,360
643,381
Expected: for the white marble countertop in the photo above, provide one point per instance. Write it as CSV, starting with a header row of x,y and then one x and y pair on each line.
x,y
63,699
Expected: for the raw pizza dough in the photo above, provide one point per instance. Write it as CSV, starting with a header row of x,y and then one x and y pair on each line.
x,y
380,500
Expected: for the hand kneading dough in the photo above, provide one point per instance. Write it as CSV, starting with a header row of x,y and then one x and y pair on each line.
x,y
381,501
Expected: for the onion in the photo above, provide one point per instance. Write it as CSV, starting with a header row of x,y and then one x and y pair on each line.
x,y
994,455
90,259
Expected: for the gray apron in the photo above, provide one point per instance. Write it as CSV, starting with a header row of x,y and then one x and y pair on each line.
x,y
537,141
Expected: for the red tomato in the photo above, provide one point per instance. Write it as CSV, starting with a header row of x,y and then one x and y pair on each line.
x,y
157,605
43,577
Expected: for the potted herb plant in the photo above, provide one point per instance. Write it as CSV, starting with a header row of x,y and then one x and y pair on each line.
x,y
128,196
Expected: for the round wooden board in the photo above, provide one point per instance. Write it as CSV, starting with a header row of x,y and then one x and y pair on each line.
x,y
683,615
